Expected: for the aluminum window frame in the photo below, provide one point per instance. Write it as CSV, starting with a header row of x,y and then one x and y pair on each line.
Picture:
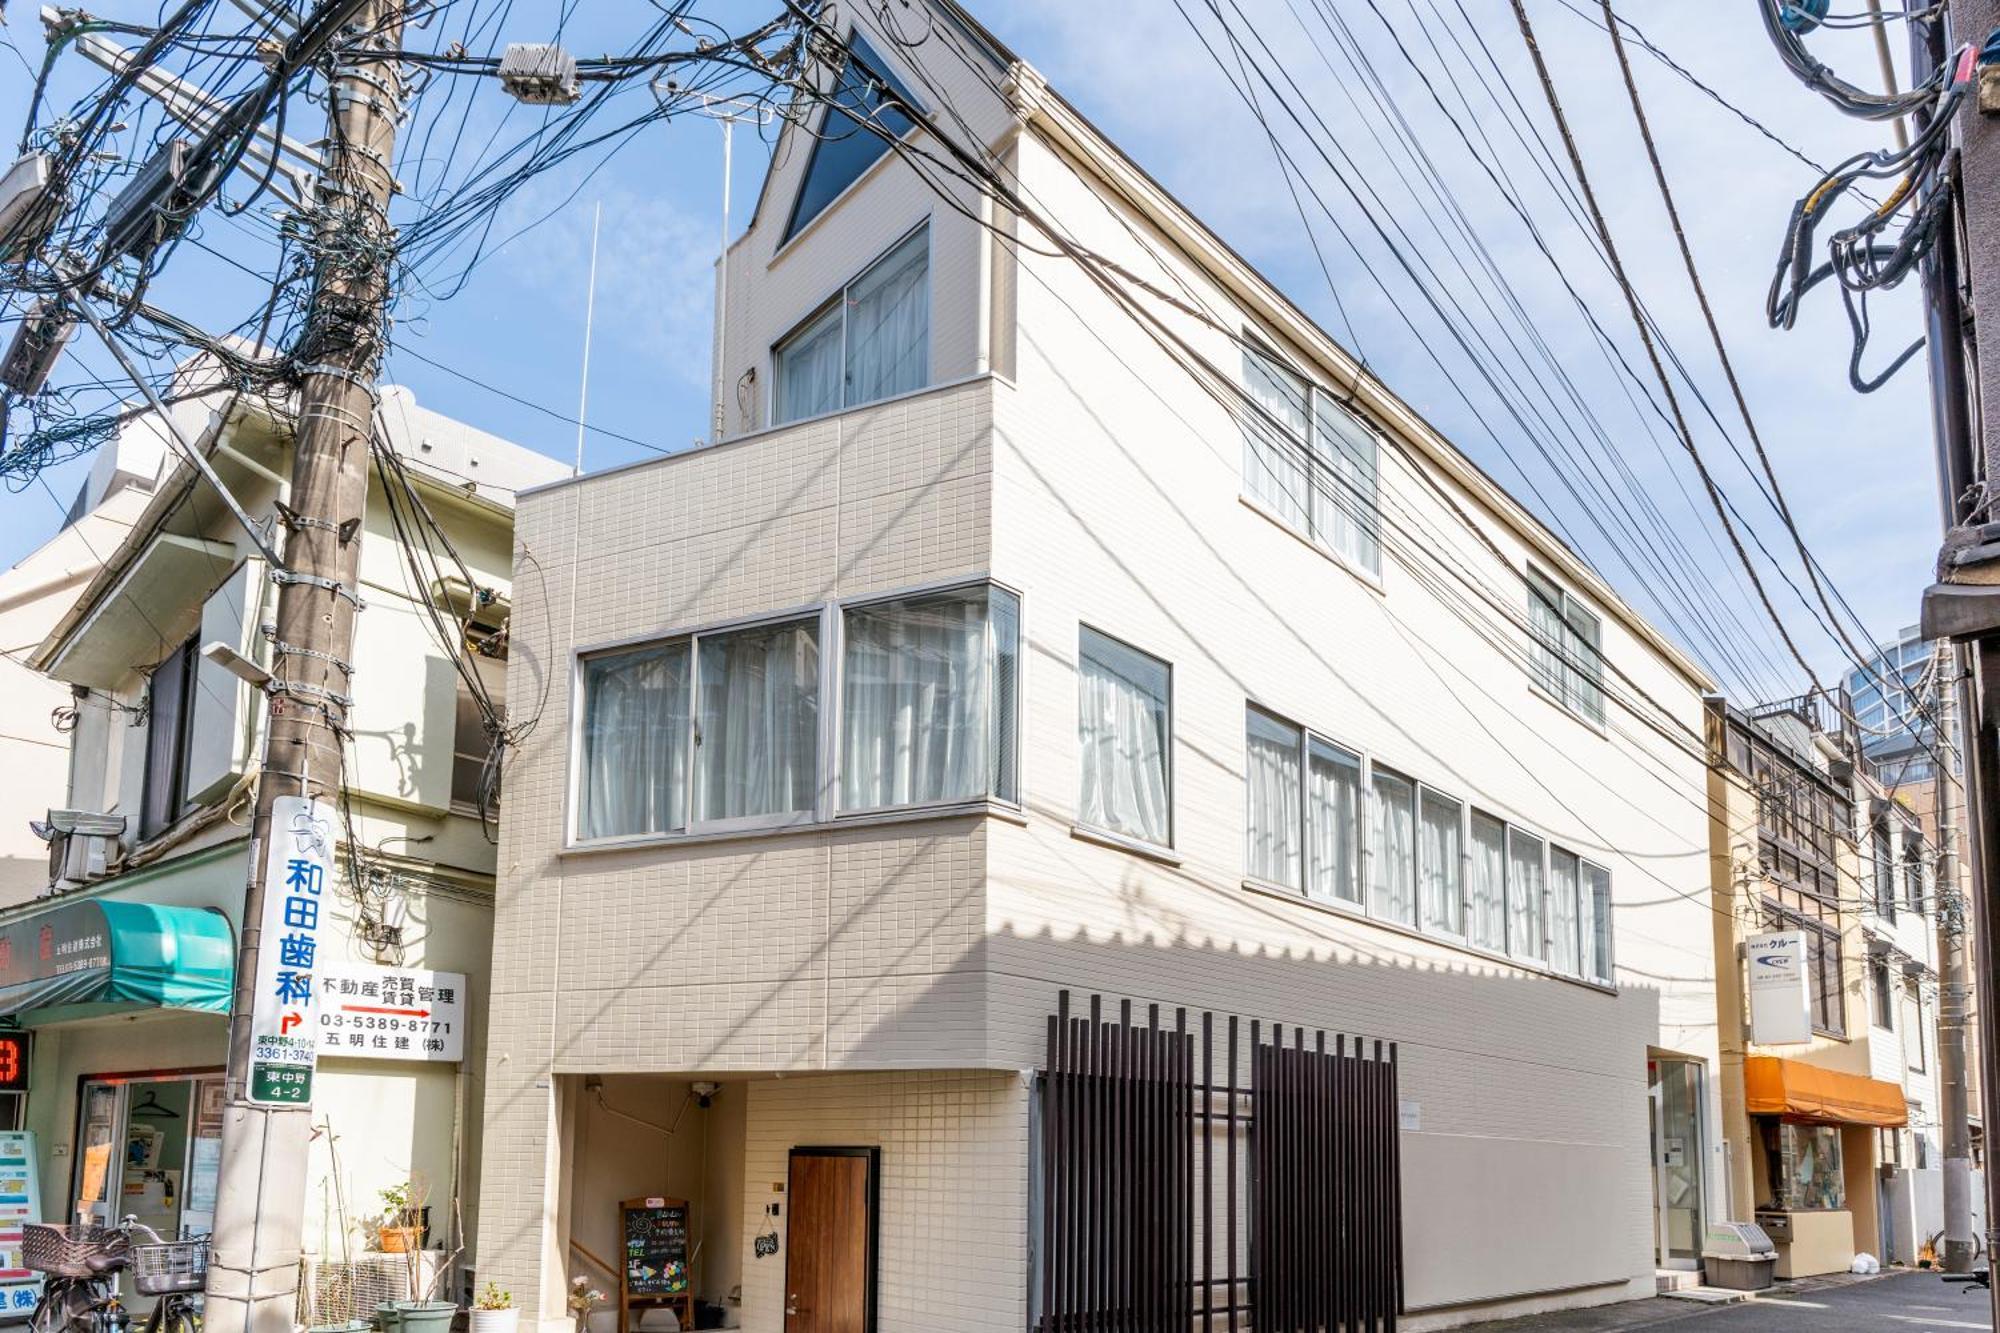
x,y
831,616
1568,666
837,300
1314,393
1097,832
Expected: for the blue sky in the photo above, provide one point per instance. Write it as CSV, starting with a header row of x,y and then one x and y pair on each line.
x,y
1858,470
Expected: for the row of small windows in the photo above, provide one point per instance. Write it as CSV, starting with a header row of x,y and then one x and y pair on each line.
x,y
722,730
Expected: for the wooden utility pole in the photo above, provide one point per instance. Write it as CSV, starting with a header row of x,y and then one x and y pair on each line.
x,y
1954,963
260,1205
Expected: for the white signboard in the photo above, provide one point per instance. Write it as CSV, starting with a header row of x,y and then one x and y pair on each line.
x,y
298,898
391,1013
1780,997
20,1203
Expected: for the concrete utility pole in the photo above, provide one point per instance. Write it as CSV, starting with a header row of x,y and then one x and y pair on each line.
x,y
1954,997
260,1205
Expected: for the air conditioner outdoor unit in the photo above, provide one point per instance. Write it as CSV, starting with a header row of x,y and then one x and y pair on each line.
x,y
82,846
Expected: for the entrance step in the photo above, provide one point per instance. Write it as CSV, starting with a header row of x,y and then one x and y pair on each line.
x,y
1670,1280
1707,1295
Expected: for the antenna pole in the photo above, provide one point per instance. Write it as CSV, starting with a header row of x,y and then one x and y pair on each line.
x,y
589,319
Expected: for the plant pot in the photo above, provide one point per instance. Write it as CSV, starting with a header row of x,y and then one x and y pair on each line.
x,y
388,1318
399,1240
496,1321
351,1326
424,1316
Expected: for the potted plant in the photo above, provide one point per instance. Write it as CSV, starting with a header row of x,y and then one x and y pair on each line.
x,y
583,1298
401,1228
494,1312
423,1312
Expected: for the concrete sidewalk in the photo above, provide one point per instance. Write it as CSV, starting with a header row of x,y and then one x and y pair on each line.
x,y
1901,1299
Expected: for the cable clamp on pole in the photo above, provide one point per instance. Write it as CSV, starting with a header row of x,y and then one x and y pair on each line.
x,y
281,577
359,381
283,649
319,695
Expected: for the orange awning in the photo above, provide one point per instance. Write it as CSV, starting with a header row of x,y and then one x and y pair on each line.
x,y
1773,1086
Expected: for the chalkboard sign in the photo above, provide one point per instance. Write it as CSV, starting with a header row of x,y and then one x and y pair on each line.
x,y
655,1268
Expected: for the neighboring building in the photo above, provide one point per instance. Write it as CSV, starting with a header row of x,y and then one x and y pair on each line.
x,y
34,751
1896,698
121,970
1834,1141
990,655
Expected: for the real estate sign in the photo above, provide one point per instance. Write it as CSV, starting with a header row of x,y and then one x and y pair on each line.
x,y
298,896
20,1204
391,1013
1780,996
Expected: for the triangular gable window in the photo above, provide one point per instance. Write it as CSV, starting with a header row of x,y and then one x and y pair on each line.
x,y
851,133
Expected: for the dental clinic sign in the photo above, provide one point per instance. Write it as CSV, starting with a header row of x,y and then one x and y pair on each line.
x,y
298,900
1780,996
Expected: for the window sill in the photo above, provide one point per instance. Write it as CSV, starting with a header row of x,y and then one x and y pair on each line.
x,y
1121,842
1370,581
866,819
1457,944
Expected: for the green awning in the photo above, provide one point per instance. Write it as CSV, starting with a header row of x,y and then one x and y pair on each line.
x,y
106,950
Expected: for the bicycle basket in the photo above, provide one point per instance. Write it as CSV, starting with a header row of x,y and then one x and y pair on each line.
x,y
71,1250
161,1270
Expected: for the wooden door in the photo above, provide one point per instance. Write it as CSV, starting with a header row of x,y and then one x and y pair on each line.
x,y
830,1243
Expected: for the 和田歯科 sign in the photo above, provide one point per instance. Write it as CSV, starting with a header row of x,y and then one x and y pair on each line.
x,y
298,900
391,1013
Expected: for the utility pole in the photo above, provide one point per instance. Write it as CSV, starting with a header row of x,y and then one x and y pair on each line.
x,y
260,1205
1954,993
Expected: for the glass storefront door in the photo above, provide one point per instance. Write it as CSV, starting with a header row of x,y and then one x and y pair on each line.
x,y
150,1146
1675,1101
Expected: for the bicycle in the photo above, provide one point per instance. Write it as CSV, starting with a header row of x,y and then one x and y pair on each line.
x,y
83,1263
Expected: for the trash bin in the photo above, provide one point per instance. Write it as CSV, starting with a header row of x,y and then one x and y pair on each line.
x,y
1737,1256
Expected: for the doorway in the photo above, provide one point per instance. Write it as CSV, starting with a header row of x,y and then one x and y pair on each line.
x,y
1674,1102
150,1145
830,1244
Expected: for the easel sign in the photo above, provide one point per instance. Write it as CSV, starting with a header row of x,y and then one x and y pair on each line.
x,y
656,1270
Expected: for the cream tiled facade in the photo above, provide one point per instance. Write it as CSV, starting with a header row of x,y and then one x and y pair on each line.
x,y
884,980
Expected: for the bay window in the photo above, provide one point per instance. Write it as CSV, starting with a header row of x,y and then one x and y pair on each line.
x,y
1442,864
1309,461
1392,848
928,699
1124,734
872,341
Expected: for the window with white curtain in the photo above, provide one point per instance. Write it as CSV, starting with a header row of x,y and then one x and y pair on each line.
x,y
1565,878
1310,461
1565,648
635,742
1441,863
928,699
1486,914
1124,733
1526,894
1595,930
757,731
1392,849
1333,823
871,342
1273,817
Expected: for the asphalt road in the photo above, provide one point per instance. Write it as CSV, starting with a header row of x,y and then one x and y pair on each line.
x,y
1900,1303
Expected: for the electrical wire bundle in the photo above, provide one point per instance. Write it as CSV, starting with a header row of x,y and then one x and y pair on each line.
x,y
1787,20
1884,248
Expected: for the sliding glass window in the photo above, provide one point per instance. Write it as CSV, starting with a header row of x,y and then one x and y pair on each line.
x,y
872,341
1124,733
1441,863
1272,807
1526,894
1333,823
1392,847
1565,878
1486,919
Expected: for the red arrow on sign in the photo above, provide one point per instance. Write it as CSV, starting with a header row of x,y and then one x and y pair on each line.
x,y
377,1009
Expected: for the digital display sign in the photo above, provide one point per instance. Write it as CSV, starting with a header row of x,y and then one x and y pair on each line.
x,y
14,1047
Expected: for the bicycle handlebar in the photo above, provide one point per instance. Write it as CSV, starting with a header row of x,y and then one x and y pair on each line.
x,y
130,1223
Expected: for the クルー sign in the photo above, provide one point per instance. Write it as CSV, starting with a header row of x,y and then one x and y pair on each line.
x,y
298,899
391,1013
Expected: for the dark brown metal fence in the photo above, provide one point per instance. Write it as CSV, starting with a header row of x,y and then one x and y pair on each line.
x,y
1177,1197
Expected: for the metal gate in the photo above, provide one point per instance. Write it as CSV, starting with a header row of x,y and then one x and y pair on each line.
x,y
1176,1197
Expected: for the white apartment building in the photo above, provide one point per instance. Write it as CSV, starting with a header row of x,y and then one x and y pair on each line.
x,y
1030,630
117,973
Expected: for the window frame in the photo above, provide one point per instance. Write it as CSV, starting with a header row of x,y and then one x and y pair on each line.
x,y
1303,751
795,230
1375,906
1097,831
826,812
1881,993
173,767
1544,587
1314,395
837,300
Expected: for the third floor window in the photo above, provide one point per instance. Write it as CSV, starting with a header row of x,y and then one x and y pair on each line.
x,y
872,341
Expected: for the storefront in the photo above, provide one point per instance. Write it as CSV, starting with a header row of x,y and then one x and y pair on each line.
x,y
1813,1135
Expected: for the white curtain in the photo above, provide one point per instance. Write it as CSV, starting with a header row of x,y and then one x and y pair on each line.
x,y
917,700
889,325
635,743
1394,850
1545,620
1585,672
1525,891
809,370
757,752
1271,790
1274,446
1333,821
1343,497
1122,733
1564,880
1488,924
1595,927
1444,903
